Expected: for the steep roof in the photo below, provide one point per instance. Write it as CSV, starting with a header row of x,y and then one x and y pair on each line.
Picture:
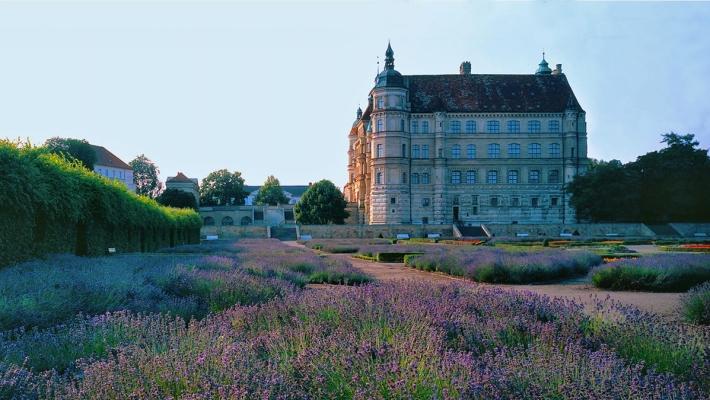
x,y
482,93
180,177
107,159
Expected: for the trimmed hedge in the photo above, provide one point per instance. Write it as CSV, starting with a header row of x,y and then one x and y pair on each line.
x,y
51,205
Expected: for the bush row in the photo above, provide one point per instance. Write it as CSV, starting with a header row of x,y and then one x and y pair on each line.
x,y
655,273
51,205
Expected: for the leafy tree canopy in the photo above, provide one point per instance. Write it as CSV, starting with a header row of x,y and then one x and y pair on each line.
x,y
145,176
322,203
271,193
669,185
76,149
177,198
222,188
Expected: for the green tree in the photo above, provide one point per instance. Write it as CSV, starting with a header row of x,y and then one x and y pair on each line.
x,y
76,149
177,198
222,188
322,203
145,176
669,185
271,193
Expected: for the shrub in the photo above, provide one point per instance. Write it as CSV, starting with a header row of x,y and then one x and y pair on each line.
x,y
656,273
392,257
52,205
696,304
500,266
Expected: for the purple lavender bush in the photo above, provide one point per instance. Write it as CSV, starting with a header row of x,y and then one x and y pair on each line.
x,y
494,265
655,273
696,304
419,341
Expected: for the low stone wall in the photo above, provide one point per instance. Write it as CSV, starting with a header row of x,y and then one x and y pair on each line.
x,y
691,229
577,230
233,232
373,231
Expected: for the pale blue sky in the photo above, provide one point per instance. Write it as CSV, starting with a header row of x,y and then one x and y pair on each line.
x,y
272,88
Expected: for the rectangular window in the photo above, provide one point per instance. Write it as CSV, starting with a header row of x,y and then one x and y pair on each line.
x,y
425,151
393,200
456,152
425,202
474,199
494,201
514,126
380,125
493,126
554,149
425,220
534,176
554,201
404,150
470,126
512,177
554,126
474,210
457,200
415,151
415,179
378,178
455,177
553,176
425,178
493,150
534,126
492,177
455,126
535,202
380,151
515,201
404,177
471,151
415,126
471,177
425,126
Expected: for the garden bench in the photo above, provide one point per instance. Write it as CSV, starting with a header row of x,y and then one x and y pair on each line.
x,y
211,237
402,236
700,234
433,235
524,234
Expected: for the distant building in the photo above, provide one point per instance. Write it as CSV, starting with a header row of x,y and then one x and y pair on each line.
x,y
293,193
112,167
466,148
182,182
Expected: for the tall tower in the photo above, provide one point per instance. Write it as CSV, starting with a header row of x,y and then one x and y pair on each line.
x,y
574,140
390,152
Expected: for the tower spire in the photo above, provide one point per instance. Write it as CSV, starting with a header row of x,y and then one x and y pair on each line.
x,y
389,57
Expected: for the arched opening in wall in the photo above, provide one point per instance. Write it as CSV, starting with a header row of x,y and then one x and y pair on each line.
x,y
227,221
245,221
208,221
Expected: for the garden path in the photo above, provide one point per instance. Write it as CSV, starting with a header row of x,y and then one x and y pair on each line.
x,y
664,304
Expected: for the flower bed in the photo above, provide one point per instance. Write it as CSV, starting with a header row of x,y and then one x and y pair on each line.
x,y
690,248
418,341
499,266
656,273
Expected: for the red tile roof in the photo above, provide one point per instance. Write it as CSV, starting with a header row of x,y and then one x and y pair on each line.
x,y
180,177
107,159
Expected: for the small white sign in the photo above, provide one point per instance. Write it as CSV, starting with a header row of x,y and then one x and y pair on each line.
x,y
525,234
565,234
612,234
111,250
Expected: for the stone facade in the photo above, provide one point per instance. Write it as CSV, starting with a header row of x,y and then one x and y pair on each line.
x,y
466,148
182,182
247,215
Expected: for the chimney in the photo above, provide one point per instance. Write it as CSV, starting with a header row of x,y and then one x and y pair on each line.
x,y
558,70
465,68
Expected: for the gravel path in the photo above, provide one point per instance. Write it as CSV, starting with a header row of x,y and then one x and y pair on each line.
x,y
664,304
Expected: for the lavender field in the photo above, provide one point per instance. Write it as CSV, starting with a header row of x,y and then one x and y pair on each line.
x,y
236,321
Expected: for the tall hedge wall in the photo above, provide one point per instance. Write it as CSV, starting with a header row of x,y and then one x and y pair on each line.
x,y
51,205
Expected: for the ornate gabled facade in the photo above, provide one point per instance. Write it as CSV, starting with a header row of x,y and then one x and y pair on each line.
x,y
466,148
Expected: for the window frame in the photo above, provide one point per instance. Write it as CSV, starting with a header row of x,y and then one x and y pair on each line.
x,y
534,126
493,126
513,126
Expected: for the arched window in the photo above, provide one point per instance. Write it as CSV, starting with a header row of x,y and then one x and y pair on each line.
x,y
554,126
415,179
208,221
554,149
227,221
415,126
471,151
245,221
493,150
514,126
493,126
492,177
471,177
425,126
380,124
512,177
455,177
455,126
534,150
534,126
378,178
471,126
514,150
456,151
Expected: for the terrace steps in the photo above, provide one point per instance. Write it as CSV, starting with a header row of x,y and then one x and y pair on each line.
x,y
472,231
663,230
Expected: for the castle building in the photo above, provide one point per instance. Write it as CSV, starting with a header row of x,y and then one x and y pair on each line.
x,y
466,148
112,167
182,182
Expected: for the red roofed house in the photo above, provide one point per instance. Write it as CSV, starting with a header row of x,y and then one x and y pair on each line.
x,y
112,167
182,182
